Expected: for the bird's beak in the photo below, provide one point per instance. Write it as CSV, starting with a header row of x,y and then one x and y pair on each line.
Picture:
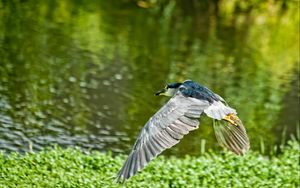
x,y
160,92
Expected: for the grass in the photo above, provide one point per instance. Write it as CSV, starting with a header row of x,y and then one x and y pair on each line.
x,y
57,167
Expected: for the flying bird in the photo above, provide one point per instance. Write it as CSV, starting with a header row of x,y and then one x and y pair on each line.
x,y
178,117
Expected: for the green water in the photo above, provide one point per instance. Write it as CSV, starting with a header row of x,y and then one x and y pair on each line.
x,y
84,74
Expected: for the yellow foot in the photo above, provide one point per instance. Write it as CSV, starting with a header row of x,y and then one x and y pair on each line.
x,y
231,118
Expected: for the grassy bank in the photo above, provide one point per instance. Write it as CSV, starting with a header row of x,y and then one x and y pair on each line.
x,y
58,167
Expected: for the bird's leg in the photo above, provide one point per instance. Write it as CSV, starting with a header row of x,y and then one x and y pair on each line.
x,y
231,118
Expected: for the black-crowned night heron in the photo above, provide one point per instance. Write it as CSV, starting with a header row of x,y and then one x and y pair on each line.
x,y
179,116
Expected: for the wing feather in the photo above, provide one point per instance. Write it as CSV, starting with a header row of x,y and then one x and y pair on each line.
x,y
179,129
180,124
174,134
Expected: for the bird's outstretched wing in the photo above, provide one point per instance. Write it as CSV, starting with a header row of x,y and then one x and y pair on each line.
x,y
229,129
233,137
163,130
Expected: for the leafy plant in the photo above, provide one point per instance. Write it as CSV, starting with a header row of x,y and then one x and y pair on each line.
x,y
57,167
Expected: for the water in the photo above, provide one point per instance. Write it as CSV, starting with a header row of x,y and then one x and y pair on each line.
x,y
78,74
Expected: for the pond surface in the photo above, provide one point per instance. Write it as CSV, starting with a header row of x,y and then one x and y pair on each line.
x,y
77,74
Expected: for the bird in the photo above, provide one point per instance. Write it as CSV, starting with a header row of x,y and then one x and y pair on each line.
x,y
180,115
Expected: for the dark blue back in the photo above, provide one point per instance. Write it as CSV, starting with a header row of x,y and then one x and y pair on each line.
x,y
195,90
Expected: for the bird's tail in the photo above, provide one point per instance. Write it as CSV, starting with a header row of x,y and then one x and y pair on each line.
x,y
231,133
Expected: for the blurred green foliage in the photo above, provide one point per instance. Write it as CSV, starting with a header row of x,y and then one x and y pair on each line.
x,y
72,168
84,73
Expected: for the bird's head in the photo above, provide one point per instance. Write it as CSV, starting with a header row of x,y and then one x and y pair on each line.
x,y
169,90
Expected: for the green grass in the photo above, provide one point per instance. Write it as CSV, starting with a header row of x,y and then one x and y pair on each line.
x,y
56,167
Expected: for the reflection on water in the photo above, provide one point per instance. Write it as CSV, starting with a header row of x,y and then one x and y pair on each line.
x,y
84,74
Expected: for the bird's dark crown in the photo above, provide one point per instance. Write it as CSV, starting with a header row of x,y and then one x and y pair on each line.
x,y
173,85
